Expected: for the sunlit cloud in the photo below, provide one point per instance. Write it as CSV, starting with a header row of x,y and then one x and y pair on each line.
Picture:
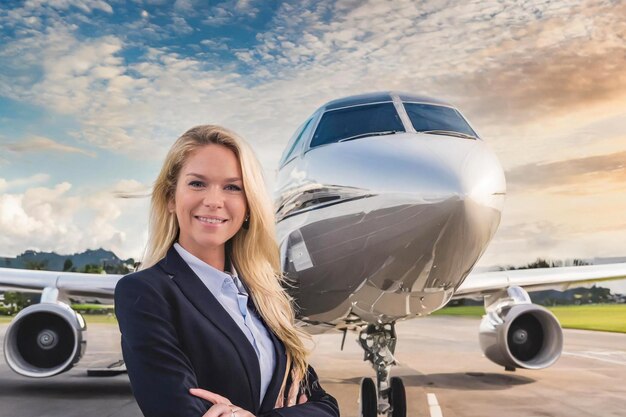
x,y
55,219
22,182
583,176
43,144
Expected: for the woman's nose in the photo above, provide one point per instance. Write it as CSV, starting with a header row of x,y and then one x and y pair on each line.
x,y
213,199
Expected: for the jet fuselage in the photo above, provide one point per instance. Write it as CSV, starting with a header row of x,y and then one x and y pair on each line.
x,y
383,219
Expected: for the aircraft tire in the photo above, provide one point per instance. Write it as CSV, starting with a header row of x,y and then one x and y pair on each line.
x,y
369,398
397,397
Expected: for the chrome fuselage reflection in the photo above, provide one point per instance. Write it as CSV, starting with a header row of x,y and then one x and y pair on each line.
x,y
383,227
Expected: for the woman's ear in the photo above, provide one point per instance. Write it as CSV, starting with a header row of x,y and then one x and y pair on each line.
x,y
171,206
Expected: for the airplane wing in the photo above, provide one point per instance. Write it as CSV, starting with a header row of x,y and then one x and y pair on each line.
x,y
78,286
484,283
89,286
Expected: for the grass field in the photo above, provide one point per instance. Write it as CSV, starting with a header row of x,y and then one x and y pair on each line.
x,y
605,317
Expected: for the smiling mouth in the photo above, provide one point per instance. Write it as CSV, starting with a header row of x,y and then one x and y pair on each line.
x,y
210,220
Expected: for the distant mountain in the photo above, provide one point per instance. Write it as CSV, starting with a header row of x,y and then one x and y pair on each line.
x,y
51,261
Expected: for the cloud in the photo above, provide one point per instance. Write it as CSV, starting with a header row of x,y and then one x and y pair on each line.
x,y
183,5
502,64
316,51
230,12
589,175
523,242
43,144
582,216
216,44
22,182
541,80
87,6
179,26
562,80
56,219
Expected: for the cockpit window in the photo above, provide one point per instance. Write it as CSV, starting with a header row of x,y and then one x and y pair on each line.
x,y
356,121
428,117
292,145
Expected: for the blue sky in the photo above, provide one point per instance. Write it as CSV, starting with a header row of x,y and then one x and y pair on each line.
x,y
93,92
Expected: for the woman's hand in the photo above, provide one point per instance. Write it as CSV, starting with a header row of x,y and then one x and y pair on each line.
x,y
222,407
291,397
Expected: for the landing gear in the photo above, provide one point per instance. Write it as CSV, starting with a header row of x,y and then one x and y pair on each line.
x,y
388,395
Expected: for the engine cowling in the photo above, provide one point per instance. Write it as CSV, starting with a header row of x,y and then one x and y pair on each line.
x,y
521,336
45,339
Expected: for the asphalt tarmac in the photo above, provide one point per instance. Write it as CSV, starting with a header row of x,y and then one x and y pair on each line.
x,y
441,363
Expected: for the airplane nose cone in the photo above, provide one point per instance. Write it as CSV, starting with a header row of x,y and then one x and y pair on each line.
x,y
407,214
479,177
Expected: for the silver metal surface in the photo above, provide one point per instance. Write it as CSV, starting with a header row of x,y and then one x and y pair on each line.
x,y
515,333
62,339
384,228
80,287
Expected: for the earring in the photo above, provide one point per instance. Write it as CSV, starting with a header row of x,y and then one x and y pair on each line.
x,y
246,222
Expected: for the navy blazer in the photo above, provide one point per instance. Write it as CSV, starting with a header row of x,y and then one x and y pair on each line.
x,y
176,336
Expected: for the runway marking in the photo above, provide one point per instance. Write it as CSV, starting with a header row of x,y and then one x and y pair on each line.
x,y
590,355
435,410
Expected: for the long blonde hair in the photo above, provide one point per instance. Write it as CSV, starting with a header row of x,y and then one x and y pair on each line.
x,y
253,251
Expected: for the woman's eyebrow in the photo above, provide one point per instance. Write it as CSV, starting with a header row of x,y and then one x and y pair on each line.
x,y
193,174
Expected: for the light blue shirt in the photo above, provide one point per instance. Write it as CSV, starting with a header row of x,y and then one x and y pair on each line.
x,y
233,296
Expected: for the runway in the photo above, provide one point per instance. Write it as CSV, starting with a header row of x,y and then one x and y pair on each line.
x,y
441,363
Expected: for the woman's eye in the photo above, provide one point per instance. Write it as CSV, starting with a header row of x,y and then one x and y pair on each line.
x,y
196,184
232,187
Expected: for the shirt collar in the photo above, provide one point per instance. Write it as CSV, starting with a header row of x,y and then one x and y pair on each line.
x,y
212,277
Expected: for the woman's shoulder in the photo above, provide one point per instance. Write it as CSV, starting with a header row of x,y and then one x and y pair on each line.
x,y
153,277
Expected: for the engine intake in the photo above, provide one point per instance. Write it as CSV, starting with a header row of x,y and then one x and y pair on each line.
x,y
44,339
521,336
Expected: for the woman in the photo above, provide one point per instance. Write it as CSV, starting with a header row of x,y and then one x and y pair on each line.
x,y
207,329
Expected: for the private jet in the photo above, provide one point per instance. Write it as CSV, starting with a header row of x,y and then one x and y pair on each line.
x,y
384,204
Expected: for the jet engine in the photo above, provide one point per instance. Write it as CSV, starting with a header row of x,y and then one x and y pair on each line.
x,y
518,334
45,339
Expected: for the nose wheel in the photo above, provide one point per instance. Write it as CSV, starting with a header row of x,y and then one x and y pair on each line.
x,y
368,398
387,395
397,397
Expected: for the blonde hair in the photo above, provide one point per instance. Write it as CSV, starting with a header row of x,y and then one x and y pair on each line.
x,y
253,251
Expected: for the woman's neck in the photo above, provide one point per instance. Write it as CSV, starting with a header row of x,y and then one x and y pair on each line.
x,y
216,257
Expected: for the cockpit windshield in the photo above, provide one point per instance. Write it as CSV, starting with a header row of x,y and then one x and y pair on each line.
x,y
355,122
438,119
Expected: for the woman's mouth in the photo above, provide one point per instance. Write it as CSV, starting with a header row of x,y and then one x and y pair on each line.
x,y
211,220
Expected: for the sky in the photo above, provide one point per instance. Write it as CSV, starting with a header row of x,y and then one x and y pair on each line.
x,y
93,93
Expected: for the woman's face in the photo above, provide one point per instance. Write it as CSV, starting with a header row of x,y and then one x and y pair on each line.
x,y
210,203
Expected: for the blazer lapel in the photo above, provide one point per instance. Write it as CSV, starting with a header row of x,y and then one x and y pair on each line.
x,y
200,296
